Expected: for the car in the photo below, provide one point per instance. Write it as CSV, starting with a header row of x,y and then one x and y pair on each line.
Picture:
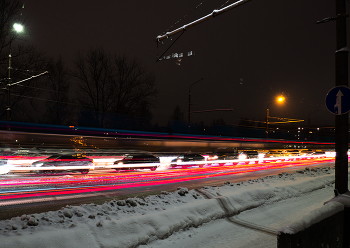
x,y
187,157
291,153
227,155
5,153
137,161
319,152
306,152
249,154
4,167
60,160
274,154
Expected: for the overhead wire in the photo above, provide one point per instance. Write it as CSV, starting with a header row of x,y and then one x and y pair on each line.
x,y
184,16
42,99
158,58
224,4
38,88
178,21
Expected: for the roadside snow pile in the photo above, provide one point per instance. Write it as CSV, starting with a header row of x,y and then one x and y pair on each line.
x,y
313,217
136,221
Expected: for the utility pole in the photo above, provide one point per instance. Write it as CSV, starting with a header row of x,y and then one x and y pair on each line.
x,y
189,104
267,122
8,107
341,121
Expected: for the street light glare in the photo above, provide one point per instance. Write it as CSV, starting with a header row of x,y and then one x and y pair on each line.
x,y
280,99
18,27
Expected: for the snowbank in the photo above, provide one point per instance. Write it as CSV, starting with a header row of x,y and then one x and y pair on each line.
x,y
314,217
136,221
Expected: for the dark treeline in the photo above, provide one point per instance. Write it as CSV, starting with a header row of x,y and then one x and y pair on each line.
x,y
101,89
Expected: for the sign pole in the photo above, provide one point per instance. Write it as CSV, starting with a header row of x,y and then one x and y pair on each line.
x,y
341,120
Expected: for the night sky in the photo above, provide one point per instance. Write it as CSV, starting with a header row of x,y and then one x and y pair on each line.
x,y
247,56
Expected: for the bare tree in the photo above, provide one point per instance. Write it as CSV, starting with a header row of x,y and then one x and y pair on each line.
x,y
9,10
219,121
177,115
93,73
112,86
58,108
133,86
26,61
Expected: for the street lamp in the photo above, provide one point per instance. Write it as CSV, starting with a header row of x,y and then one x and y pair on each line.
x,y
189,104
18,28
280,100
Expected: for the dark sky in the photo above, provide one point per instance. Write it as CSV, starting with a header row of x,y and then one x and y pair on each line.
x,y
247,56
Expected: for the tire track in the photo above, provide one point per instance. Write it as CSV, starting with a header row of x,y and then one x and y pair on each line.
x,y
230,211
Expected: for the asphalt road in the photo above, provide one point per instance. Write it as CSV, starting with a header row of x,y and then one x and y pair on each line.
x,y
26,193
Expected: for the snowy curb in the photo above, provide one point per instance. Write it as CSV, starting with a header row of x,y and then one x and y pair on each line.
x,y
314,217
138,221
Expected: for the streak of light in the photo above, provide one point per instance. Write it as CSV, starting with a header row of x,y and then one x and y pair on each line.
x,y
81,185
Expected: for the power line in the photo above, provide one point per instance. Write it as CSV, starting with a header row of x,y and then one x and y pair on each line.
x,y
222,5
185,16
200,20
158,58
35,76
37,98
37,88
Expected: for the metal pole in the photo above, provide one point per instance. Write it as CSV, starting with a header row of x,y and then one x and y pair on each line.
x,y
189,104
8,108
341,121
267,123
189,109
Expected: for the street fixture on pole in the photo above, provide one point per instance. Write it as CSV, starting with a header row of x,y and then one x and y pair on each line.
x,y
18,28
341,79
279,99
189,104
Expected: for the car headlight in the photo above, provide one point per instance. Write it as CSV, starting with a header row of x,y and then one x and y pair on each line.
x,y
179,160
120,163
242,156
38,164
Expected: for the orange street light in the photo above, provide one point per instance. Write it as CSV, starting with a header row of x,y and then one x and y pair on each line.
x,y
279,99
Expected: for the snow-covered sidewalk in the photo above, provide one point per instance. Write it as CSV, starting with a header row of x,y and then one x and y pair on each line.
x,y
151,220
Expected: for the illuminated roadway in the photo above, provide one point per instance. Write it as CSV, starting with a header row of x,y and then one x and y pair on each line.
x,y
32,193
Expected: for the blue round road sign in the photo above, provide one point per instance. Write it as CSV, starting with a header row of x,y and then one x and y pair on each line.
x,y
338,100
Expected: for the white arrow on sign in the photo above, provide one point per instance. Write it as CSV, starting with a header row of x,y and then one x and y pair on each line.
x,y
337,104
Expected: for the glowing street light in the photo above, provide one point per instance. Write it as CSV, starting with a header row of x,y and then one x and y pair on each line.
x,y
18,27
280,100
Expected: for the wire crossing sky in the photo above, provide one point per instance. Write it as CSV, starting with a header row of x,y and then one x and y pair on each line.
x,y
248,56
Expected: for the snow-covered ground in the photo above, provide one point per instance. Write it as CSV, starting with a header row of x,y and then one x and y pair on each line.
x,y
246,214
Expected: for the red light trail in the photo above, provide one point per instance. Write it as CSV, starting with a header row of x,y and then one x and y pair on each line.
x,y
40,185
